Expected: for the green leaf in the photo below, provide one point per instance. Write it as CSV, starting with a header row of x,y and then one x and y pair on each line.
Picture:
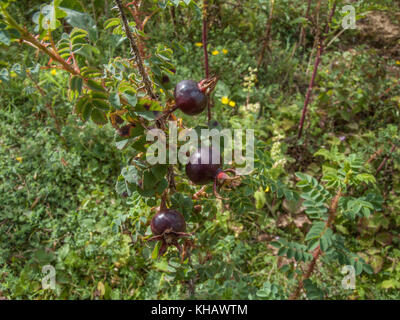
x,y
161,186
50,15
131,99
111,23
121,144
131,174
98,117
4,75
312,291
114,100
82,21
43,256
390,284
149,181
121,186
275,244
147,115
159,171
87,110
101,104
316,230
260,198
81,104
183,203
164,266
154,253
76,84
94,85
99,95
5,37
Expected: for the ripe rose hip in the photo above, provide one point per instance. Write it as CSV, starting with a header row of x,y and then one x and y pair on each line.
x,y
204,166
191,96
168,220
168,226
201,169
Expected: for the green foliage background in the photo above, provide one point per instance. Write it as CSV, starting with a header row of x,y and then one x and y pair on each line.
x,y
61,193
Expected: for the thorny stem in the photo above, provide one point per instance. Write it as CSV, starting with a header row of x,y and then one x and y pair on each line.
x,y
264,47
135,51
206,66
26,36
315,71
48,104
317,252
31,40
267,34
302,31
134,9
383,163
373,157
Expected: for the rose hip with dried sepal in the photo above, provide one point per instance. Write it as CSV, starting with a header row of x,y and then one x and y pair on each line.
x,y
191,96
168,226
204,166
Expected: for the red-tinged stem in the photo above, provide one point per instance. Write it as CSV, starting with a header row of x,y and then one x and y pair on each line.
x,y
315,71
302,31
48,104
53,55
383,163
206,66
317,252
309,91
135,51
267,34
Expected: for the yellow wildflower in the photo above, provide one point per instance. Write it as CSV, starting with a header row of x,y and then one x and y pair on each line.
x,y
198,44
232,103
398,62
224,51
215,52
19,159
53,72
225,100
266,189
161,90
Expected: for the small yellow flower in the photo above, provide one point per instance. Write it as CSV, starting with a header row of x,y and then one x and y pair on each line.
x,y
53,72
198,44
19,159
327,71
266,189
398,62
224,51
232,103
224,100
215,52
161,90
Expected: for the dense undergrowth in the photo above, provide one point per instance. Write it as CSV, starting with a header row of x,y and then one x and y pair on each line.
x,y
60,203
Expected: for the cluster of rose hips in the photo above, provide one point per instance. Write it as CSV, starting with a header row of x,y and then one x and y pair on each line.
x,y
169,225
